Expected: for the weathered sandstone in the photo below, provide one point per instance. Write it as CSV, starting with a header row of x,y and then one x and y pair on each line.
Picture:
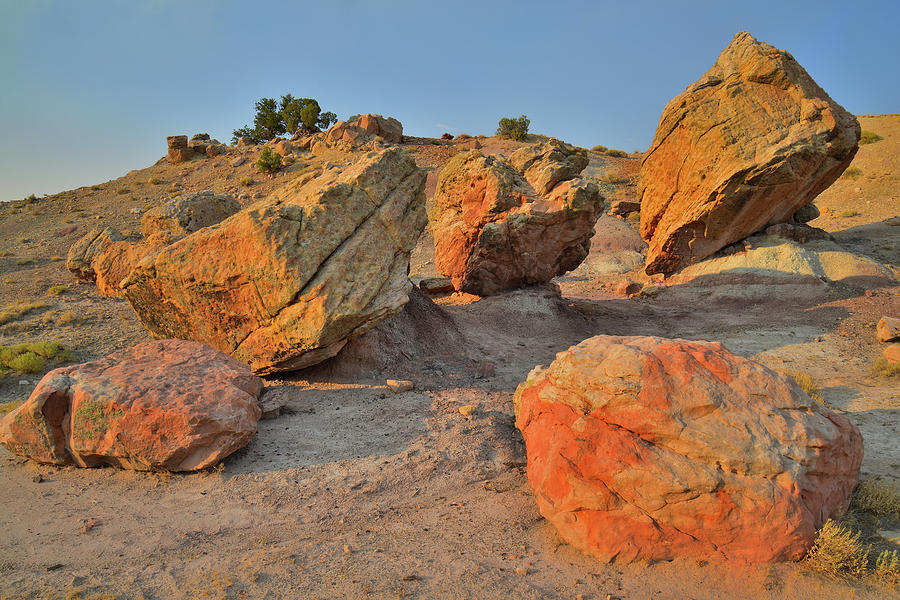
x,y
494,232
748,145
642,447
284,283
186,214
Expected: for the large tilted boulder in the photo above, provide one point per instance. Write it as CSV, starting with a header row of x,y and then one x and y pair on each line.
x,y
363,128
493,231
168,404
187,213
748,145
284,283
649,448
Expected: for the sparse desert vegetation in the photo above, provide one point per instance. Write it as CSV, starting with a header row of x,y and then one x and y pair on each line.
x,y
514,128
269,161
869,137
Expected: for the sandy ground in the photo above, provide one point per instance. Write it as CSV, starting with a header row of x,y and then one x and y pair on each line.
x,y
356,492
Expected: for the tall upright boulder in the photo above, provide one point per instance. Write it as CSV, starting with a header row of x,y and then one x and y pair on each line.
x,y
748,145
284,283
495,229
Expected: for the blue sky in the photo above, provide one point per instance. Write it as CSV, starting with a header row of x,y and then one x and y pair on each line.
x,y
90,89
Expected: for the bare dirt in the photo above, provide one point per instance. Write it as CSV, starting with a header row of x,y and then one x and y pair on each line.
x,y
357,492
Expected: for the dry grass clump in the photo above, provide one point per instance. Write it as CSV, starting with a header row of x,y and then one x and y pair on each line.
x,y
247,181
869,137
599,148
17,310
611,178
838,552
807,384
616,153
878,497
851,173
67,318
849,213
56,290
10,406
885,368
854,547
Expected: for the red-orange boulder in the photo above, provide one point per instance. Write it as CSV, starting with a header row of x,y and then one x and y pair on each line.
x,y
494,232
167,404
648,448
748,145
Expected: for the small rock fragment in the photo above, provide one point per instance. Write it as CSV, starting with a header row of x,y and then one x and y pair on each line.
x,y
89,525
398,386
888,329
467,411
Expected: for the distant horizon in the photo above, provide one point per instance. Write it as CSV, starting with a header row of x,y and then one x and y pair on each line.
x,y
92,89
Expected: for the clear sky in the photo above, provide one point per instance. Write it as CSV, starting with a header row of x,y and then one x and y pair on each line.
x,y
89,89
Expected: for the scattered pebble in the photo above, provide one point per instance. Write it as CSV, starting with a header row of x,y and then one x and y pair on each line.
x,y
521,571
37,478
347,549
467,411
89,525
398,386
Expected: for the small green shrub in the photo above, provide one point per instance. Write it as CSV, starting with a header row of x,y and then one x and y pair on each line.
x,y
869,137
885,368
617,153
56,290
838,552
599,148
878,497
269,161
514,129
123,191
30,198
848,214
156,180
851,173
27,362
807,384
247,181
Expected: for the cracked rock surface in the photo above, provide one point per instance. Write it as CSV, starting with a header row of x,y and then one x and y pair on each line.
x,y
747,145
654,448
284,283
